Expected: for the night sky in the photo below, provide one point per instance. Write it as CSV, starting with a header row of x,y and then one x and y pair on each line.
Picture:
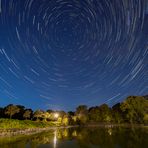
x,y
59,54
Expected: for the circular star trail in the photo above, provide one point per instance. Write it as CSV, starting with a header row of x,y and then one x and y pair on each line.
x,y
61,53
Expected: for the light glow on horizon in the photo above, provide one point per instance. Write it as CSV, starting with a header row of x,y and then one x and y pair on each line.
x,y
56,115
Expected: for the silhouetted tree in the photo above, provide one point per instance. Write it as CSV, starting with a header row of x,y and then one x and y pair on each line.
x,y
81,109
49,111
82,114
61,113
11,110
94,114
133,110
117,113
19,115
1,112
105,113
71,113
28,114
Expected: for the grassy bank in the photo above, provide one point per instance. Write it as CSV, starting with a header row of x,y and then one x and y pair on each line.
x,y
12,127
23,124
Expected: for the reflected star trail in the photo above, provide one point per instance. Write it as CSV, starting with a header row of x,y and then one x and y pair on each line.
x,y
61,53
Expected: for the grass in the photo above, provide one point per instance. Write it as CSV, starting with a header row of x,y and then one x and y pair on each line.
x,y
23,124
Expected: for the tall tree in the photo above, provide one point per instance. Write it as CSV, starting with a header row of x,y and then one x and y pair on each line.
x,y
11,110
94,114
19,115
82,109
61,113
135,108
71,113
38,114
46,115
49,111
1,112
82,114
117,113
105,113
67,120
27,114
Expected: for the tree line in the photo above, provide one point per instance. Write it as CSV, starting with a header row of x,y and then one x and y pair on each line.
x,y
134,110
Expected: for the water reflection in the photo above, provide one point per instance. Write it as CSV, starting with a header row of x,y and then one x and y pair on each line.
x,y
55,139
110,131
83,138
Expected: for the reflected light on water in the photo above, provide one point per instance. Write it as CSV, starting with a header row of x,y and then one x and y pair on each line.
x,y
55,139
110,132
74,133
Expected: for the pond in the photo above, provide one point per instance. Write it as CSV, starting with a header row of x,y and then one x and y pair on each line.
x,y
86,137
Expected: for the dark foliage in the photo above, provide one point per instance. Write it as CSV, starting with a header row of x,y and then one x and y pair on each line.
x,y
134,109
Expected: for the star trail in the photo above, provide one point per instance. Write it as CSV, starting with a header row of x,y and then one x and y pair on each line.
x,y
61,53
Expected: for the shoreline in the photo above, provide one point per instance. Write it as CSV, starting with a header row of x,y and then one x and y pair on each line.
x,y
115,125
28,131
31,131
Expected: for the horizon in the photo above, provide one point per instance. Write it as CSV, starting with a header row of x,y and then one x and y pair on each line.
x,y
59,54
88,107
